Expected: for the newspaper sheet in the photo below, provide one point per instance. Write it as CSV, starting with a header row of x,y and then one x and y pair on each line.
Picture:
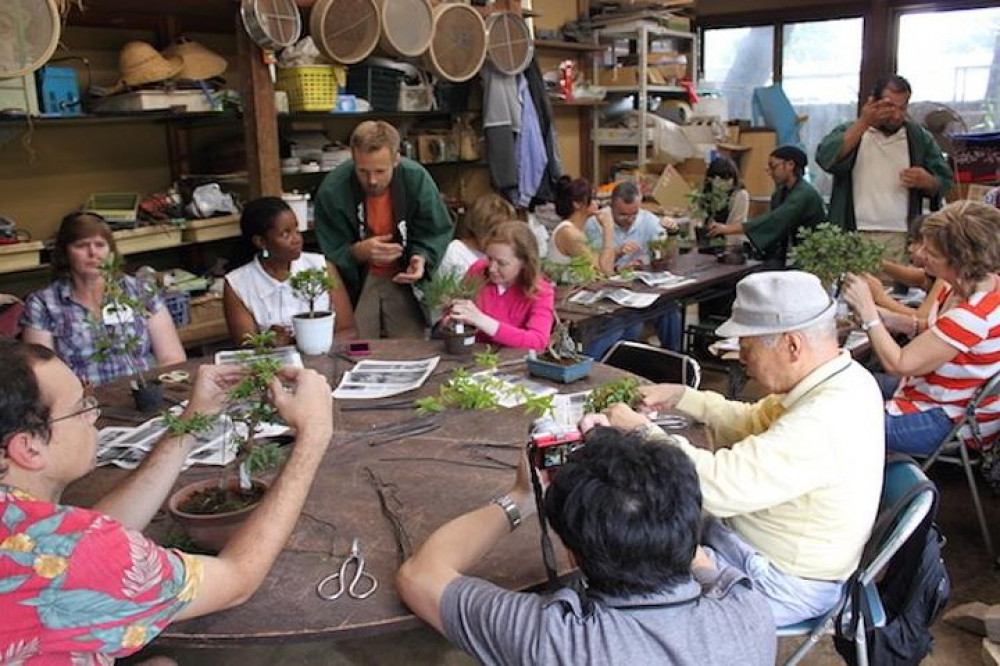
x,y
626,297
381,379
288,356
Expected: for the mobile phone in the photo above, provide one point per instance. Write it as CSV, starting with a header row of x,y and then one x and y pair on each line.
x,y
359,349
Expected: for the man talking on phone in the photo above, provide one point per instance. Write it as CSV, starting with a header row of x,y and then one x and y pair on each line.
x,y
883,165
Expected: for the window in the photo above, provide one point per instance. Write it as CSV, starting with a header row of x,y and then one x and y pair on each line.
x,y
820,71
952,58
737,60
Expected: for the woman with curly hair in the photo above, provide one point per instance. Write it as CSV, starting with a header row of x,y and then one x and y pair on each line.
x,y
941,368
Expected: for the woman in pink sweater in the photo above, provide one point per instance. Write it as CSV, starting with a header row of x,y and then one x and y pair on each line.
x,y
516,307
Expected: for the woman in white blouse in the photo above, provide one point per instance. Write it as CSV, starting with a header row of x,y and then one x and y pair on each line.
x,y
257,296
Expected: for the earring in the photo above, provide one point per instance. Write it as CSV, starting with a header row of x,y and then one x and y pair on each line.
x,y
265,254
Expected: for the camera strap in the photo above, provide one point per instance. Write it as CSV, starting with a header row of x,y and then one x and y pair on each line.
x,y
548,552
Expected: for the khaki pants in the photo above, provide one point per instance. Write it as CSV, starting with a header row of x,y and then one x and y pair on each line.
x,y
388,310
893,241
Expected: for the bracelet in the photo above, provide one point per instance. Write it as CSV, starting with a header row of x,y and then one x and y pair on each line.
x,y
916,327
869,325
510,510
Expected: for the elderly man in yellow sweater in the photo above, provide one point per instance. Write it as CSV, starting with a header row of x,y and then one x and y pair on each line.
x,y
794,484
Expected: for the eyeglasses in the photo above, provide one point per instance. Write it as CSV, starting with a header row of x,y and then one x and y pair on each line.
x,y
89,406
771,166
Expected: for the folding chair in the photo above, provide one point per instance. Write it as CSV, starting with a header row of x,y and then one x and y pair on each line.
x,y
955,450
904,480
654,363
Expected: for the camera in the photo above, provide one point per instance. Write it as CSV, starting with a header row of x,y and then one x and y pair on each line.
x,y
551,445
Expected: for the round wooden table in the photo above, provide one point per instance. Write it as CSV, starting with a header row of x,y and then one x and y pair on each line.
x,y
426,480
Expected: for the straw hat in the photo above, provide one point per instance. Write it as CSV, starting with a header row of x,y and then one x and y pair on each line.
x,y
200,63
140,63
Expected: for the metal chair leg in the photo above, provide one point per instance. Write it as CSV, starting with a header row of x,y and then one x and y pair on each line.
x,y
973,487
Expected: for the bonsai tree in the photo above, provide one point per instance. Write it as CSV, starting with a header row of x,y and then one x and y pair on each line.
x,y
310,284
707,202
624,390
661,251
579,271
448,286
562,347
827,251
115,332
247,407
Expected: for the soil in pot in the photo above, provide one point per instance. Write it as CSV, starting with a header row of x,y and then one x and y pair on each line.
x,y
548,358
459,344
211,531
149,396
215,500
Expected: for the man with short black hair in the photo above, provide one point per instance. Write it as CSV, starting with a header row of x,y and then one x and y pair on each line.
x,y
884,166
629,511
84,586
795,481
795,205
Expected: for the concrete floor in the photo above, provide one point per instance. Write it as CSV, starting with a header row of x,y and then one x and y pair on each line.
x,y
974,578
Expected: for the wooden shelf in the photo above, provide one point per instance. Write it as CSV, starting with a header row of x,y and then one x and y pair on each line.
x,y
577,102
560,45
166,117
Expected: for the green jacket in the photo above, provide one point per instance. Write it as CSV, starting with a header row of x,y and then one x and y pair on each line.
x,y
794,208
422,224
924,152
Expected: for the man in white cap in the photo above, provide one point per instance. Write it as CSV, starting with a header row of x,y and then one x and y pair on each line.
x,y
794,483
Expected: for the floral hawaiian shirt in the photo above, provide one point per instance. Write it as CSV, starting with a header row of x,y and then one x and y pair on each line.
x,y
77,587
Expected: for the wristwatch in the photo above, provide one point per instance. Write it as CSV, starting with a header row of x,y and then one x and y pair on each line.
x,y
510,510
869,325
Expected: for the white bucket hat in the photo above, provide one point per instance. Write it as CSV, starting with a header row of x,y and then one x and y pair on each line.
x,y
775,302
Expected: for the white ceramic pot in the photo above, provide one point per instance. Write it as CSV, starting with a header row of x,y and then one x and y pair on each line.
x,y
314,336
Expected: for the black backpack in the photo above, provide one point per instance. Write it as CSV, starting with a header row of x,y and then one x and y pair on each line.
x,y
914,591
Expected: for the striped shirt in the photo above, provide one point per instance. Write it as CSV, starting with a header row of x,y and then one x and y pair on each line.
x,y
973,328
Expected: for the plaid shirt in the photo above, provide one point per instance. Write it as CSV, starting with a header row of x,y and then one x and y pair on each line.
x,y
54,311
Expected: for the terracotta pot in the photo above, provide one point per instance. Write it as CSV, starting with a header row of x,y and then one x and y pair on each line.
x,y
209,532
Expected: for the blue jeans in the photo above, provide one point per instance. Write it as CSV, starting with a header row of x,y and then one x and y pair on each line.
x,y
917,434
599,346
914,434
792,599
668,329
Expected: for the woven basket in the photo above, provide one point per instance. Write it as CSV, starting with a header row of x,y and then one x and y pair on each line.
x,y
311,88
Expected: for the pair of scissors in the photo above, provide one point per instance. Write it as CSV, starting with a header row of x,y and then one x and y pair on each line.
x,y
354,587
174,377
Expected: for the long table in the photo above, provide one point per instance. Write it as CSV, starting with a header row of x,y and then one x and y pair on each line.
x,y
427,480
709,278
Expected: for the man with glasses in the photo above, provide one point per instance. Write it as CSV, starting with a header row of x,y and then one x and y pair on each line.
x,y
795,205
84,585
883,165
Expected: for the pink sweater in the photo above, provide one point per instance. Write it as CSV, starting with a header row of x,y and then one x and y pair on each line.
x,y
525,322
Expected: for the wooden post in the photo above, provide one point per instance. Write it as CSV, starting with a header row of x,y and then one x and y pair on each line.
x,y
260,121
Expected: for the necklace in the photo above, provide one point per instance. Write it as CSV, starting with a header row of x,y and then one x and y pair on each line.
x,y
279,273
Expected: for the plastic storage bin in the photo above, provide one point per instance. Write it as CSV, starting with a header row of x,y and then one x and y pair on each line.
x,y
312,88
378,85
179,306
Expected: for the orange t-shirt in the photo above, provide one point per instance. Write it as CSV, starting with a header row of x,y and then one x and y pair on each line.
x,y
378,213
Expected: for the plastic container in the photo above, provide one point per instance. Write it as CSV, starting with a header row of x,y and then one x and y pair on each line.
x,y
179,305
312,88
299,203
378,85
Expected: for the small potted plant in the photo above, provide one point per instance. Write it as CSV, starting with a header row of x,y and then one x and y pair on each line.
x,y
624,390
313,330
116,333
662,251
438,294
828,252
579,271
210,511
562,360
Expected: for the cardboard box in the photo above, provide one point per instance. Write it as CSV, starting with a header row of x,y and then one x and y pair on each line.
x,y
692,170
206,308
672,188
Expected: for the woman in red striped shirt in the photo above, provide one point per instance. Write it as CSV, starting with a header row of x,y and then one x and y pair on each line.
x,y
941,368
